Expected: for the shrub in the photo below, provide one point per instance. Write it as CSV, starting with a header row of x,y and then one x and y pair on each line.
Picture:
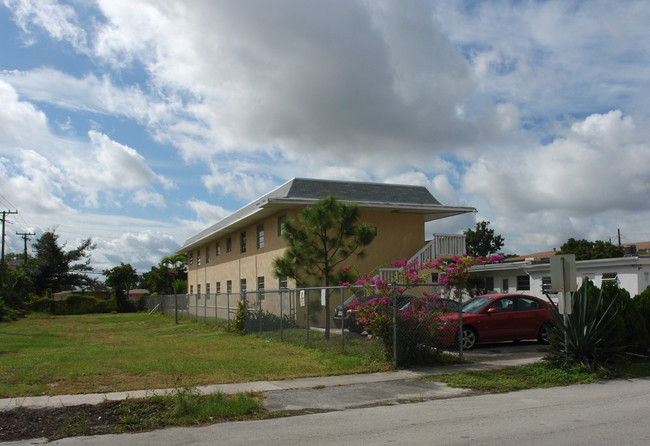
x,y
72,304
641,303
631,330
238,323
589,336
6,313
416,326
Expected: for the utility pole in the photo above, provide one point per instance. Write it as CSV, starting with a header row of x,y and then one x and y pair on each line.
x,y
25,237
4,218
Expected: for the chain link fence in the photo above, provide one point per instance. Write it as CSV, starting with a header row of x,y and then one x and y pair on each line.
x,y
411,331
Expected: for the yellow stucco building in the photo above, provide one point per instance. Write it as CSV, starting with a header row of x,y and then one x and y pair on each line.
x,y
236,254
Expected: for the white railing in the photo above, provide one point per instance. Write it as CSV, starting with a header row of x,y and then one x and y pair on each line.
x,y
440,246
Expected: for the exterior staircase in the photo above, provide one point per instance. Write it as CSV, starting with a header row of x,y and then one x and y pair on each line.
x,y
440,246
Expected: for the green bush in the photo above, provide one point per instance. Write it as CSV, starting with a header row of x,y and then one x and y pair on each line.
x,y
641,303
72,304
595,331
631,328
6,313
238,322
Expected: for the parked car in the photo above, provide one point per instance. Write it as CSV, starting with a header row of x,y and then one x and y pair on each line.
x,y
346,314
500,317
442,305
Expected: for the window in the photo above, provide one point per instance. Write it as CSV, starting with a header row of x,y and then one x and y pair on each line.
x,y
610,277
242,285
207,254
218,287
242,247
281,220
547,285
525,304
191,259
198,290
504,305
217,249
489,283
505,286
282,282
260,287
207,287
260,236
191,289
229,286
523,282
228,244
198,258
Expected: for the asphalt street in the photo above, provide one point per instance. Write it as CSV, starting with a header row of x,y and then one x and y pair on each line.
x,y
608,413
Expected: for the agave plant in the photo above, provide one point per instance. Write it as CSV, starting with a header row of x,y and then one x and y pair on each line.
x,y
587,335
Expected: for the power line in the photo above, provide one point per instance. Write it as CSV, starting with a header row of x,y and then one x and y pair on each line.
x,y
4,218
25,237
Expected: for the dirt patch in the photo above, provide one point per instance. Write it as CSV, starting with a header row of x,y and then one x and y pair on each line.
x,y
54,423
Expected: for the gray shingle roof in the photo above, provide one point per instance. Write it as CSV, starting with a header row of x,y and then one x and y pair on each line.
x,y
302,192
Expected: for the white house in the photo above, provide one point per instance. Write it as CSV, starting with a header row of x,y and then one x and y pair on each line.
x,y
532,275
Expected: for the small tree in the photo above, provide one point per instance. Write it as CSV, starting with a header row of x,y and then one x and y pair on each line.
x,y
328,233
482,241
56,269
121,279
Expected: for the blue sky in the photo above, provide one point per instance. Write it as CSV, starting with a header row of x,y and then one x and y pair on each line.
x,y
139,123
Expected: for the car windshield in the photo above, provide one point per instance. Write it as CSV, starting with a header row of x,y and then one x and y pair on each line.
x,y
476,305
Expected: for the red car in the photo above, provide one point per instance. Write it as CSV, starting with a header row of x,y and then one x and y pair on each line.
x,y
500,317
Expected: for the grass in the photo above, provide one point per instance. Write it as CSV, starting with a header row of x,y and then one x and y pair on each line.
x,y
185,407
537,375
50,355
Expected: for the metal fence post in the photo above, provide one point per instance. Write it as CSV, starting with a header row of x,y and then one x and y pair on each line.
x,y
281,316
342,323
259,310
460,326
394,296
307,312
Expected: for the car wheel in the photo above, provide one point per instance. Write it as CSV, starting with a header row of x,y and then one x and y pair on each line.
x,y
356,329
544,335
469,338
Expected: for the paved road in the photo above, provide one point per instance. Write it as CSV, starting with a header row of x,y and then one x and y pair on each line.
x,y
609,413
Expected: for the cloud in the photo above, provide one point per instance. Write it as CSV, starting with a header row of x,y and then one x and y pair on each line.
x,y
58,20
342,78
596,170
535,113
140,249
93,94
20,122
207,212
47,167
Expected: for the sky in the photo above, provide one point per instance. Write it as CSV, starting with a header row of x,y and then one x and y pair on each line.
x,y
138,123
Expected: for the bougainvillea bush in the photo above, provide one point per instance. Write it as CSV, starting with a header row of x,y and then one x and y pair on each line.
x,y
418,322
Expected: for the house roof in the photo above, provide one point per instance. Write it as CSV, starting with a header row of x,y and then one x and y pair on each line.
x,y
545,255
300,192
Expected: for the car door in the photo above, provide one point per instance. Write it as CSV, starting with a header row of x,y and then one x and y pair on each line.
x,y
497,320
527,318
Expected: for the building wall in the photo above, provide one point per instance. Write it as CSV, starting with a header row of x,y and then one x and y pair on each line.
x,y
632,274
398,236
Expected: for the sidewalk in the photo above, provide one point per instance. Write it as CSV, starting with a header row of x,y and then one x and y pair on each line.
x,y
317,393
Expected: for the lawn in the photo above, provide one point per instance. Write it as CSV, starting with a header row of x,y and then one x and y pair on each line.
x,y
53,355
